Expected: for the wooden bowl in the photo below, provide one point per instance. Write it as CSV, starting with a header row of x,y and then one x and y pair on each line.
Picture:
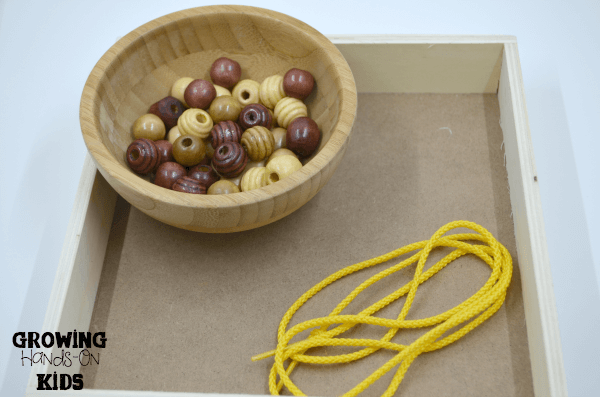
x,y
140,70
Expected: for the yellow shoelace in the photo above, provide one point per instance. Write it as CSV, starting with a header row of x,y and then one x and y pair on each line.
x,y
478,307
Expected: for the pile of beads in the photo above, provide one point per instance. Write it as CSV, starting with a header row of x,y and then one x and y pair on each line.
x,y
221,141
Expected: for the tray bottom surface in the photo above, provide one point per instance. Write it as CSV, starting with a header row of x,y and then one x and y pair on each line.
x,y
185,311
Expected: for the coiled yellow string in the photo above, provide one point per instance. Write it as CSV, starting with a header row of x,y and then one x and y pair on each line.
x,y
477,308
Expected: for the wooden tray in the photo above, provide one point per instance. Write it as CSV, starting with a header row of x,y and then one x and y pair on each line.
x,y
441,134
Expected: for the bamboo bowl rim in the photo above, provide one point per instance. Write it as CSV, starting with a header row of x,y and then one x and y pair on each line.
x,y
106,162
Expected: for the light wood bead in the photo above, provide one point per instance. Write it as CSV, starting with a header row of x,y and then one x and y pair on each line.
x,y
289,109
210,151
281,167
222,91
179,87
173,134
225,108
279,135
247,92
149,126
258,142
253,179
281,152
223,187
195,122
271,91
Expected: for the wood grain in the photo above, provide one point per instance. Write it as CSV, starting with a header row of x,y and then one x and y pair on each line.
x,y
141,68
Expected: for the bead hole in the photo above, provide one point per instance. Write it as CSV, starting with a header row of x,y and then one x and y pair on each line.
x,y
135,154
200,117
273,177
245,95
187,142
174,108
252,117
224,150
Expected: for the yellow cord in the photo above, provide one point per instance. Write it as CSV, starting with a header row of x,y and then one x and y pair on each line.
x,y
481,305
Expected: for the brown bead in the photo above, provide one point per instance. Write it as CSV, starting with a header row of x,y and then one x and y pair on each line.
x,y
224,108
230,159
165,151
225,131
149,126
189,185
199,94
168,110
303,136
298,83
223,187
168,173
204,174
255,114
225,72
188,150
142,156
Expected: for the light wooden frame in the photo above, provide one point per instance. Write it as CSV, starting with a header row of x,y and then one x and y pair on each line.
x,y
440,64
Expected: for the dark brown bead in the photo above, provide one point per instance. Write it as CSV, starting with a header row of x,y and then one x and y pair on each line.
x,y
225,72
168,110
168,173
189,150
298,83
189,185
303,136
204,174
199,94
255,114
229,159
165,151
142,156
225,131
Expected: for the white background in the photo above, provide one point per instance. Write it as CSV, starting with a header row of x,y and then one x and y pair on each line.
x,y
47,49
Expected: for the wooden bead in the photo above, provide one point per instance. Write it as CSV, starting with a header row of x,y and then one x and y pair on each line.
x,y
281,167
246,92
298,83
254,115
253,179
165,151
188,150
204,174
279,136
225,131
281,152
168,173
199,94
224,108
149,126
222,91
289,109
178,89
173,134
230,159
258,142
303,136
142,156
210,151
195,122
271,91
225,72
189,185
168,109
223,187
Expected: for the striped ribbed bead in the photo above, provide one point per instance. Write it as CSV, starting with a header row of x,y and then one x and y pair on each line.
x,y
142,156
189,185
225,131
195,122
258,142
229,159
271,91
254,178
288,109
